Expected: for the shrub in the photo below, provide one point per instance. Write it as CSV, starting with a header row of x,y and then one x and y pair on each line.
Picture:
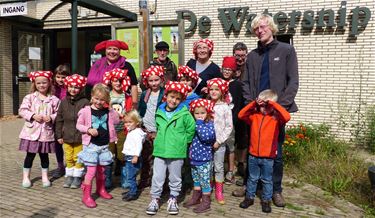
x,y
314,156
370,136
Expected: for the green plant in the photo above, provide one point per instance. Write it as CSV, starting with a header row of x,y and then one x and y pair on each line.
x,y
370,136
320,211
313,155
293,207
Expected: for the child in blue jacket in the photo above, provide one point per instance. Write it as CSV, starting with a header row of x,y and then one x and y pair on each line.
x,y
200,154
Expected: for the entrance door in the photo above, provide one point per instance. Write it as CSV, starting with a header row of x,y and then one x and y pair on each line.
x,y
31,51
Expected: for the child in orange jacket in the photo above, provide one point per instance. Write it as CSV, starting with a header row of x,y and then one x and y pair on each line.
x,y
264,116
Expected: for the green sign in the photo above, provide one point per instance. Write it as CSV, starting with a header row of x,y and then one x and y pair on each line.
x,y
130,36
232,19
168,34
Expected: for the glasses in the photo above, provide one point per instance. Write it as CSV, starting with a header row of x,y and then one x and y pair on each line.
x,y
227,70
239,55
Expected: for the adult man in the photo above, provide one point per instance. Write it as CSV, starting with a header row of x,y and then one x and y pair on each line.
x,y
162,59
272,65
240,53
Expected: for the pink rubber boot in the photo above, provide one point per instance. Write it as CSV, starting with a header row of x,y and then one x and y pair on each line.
x,y
86,196
219,193
100,183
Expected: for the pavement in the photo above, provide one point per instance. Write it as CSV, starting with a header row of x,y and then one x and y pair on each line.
x,y
303,200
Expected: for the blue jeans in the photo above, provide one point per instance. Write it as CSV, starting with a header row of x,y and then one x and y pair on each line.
x,y
259,168
278,165
131,171
124,175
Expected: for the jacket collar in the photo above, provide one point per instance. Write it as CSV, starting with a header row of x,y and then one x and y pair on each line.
x,y
263,48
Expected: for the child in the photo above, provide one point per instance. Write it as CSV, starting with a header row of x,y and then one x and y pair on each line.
x,y
96,123
200,154
149,102
190,78
265,117
238,136
39,109
176,128
66,132
218,93
59,75
121,102
132,150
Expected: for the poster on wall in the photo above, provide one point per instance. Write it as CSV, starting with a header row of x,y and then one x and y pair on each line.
x,y
168,34
130,37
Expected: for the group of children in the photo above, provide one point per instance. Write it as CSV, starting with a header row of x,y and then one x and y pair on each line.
x,y
173,128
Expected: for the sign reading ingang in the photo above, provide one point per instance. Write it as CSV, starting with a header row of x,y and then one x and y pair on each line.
x,y
13,9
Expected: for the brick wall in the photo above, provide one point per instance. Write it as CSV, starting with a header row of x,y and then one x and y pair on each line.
x,y
6,106
337,72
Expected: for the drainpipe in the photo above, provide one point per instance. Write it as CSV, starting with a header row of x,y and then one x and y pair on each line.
x,y
74,15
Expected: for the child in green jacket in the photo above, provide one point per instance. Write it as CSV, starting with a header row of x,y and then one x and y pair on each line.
x,y
175,130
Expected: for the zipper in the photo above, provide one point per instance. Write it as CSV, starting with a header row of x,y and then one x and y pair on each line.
x,y
260,128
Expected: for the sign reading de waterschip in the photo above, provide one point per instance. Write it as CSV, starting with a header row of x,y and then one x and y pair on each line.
x,y
13,9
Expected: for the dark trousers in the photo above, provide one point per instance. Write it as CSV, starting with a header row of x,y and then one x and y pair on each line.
x,y
44,160
59,153
278,165
148,161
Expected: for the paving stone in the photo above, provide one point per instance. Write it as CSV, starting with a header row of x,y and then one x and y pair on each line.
x,y
305,200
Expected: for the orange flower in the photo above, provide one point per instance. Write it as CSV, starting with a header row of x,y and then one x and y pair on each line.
x,y
300,136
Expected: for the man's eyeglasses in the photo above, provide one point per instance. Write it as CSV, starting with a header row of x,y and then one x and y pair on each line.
x,y
239,55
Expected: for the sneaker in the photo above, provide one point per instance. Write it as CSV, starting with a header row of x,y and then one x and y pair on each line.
x,y
172,207
266,206
153,207
239,192
229,178
68,181
59,172
128,197
76,182
278,200
247,202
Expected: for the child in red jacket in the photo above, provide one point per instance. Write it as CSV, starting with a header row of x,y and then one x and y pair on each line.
x,y
264,116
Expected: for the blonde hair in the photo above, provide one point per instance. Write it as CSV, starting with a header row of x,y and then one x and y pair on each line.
x,y
256,22
103,90
134,116
267,95
33,87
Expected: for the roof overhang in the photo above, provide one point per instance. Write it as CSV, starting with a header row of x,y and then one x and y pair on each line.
x,y
25,20
106,8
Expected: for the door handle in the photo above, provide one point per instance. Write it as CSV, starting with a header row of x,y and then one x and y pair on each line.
x,y
16,80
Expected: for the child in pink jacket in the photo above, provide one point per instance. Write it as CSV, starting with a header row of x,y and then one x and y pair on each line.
x,y
96,122
39,109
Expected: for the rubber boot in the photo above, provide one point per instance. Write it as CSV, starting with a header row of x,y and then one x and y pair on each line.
x,y
26,183
100,188
45,180
219,193
86,196
194,200
108,176
205,205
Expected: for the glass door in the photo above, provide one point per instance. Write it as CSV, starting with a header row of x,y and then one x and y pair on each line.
x,y
31,52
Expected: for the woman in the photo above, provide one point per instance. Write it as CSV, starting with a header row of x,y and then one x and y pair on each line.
x,y
112,60
207,69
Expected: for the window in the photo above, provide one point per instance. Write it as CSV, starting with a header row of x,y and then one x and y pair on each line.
x,y
287,38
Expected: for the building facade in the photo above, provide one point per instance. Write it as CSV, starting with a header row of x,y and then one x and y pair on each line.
x,y
334,40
